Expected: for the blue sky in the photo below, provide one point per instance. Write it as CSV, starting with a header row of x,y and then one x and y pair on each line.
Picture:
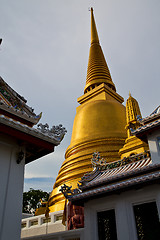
x,y
45,50
44,184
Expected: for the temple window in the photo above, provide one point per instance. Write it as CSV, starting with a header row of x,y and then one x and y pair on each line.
x,y
107,225
147,221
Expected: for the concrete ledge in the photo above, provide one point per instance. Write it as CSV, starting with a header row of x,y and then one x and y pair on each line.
x,y
77,234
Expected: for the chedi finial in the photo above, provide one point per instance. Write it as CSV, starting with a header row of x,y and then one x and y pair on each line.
x,y
97,71
94,34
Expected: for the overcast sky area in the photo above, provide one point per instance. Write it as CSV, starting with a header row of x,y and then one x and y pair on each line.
x,y
44,56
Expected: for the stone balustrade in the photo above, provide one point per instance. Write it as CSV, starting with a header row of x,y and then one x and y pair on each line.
x,y
40,228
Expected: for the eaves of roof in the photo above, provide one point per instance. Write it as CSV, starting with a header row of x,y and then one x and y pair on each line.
x,y
147,128
119,173
152,117
37,144
130,182
13,103
27,130
9,111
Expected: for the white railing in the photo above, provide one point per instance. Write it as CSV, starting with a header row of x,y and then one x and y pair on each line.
x,y
40,228
38,225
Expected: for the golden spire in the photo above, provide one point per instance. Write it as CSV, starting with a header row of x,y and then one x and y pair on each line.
x,y
94,34
132,110
97,71
133,145
99,124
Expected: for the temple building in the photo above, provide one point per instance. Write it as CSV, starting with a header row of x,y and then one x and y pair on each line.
x,y
111,173
20,143
121,200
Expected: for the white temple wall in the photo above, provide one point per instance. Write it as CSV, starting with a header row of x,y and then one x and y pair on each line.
x,y
11,189
123,205
154,146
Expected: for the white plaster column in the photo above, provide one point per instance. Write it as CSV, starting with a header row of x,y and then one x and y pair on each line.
x,y
122,221
90,223
153,146
11,189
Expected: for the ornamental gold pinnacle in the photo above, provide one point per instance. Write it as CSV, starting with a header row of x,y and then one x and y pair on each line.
x,y
97,71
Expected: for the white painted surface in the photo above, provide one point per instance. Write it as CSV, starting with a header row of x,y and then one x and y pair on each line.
x,y
65,235
11,189
153,146
42,228
123,206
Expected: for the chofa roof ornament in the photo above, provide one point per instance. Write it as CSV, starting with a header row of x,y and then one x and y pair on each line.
x,y
57,132
68,192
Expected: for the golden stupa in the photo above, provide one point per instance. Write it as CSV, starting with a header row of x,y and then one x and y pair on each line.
x,y
133,145
99,124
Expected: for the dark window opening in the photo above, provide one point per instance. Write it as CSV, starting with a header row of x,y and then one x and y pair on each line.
x,y
107,225
147,221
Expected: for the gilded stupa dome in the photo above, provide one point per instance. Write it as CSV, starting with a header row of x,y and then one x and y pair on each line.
x,y
98,120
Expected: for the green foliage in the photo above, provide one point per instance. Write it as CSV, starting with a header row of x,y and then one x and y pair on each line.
x,y
32,198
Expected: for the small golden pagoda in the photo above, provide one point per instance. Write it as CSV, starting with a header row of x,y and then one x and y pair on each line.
x,y
99,124
133,145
